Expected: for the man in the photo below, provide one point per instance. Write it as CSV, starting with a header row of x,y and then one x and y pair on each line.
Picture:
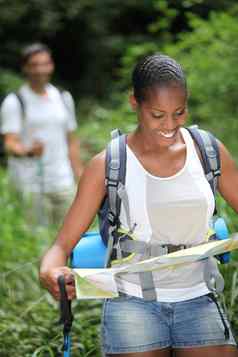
x,y
39,134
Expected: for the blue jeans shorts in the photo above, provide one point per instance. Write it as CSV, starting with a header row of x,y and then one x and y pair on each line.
x,y
131,324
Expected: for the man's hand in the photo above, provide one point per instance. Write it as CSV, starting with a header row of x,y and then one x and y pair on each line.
x,y
36,149
15,147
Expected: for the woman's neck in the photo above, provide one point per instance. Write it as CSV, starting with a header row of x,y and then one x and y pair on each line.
x,y
142,142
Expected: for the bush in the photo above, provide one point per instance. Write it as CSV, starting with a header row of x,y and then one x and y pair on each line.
x,y
28,314
209,55
9,82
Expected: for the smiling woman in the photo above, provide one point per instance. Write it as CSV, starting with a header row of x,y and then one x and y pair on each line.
x,y
171,204
165,109
160,99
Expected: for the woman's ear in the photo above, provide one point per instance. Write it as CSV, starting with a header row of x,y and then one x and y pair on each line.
x,y
133,102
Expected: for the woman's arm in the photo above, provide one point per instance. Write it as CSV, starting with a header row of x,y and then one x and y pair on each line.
x,y
228,181
85,206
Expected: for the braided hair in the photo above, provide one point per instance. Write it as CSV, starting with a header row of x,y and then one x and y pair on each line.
x,y
156,70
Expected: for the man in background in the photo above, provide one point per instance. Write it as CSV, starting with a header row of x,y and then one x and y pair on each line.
x,y
38,123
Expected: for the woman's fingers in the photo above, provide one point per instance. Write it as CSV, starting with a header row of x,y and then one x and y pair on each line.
x,y
69,278
50,281
71,292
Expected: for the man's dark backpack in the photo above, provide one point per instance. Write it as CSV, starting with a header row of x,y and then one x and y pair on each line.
x,y
3,154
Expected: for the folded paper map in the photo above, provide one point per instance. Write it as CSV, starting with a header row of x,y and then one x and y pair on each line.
x,y
100,283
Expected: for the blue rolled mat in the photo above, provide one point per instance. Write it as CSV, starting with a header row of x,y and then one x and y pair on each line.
x,y
90,252
222,232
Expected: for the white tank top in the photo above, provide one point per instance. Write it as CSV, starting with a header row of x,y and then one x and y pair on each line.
x,y
169,210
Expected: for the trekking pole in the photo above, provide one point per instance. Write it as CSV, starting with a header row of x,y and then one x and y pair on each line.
x,y
66,317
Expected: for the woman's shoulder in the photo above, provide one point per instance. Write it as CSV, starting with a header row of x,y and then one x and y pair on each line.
x,y
96,165
98,159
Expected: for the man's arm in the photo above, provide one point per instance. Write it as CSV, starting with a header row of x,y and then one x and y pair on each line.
x,y
74,155
14,146
11,127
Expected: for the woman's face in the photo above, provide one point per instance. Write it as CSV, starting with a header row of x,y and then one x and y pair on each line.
x,y
162,113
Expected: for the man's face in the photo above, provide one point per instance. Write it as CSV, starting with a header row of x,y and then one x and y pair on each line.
x,y
39,68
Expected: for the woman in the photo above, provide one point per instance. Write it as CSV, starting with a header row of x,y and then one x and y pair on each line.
x,y
171,203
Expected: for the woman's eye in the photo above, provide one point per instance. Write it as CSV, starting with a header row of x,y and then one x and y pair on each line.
x,y
157,115
180,113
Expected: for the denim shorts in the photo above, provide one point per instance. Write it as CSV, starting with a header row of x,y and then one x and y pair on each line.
x,y
131,324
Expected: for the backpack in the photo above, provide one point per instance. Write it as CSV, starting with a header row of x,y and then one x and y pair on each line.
x,y
120,243
3,153
109,213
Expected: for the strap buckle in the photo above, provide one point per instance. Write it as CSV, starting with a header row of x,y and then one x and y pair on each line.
x,y
109,182
217,172
171,248
113,219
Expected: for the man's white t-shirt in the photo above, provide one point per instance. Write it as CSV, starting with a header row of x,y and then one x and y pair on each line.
x,y
48,119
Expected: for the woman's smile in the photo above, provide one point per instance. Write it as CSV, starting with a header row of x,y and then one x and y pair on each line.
x,y
168,134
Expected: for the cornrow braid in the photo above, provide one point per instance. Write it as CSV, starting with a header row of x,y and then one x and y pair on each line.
x,y
155,70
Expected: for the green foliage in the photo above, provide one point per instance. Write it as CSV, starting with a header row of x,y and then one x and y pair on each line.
x,y
101,120
9,82
28,314
209,55
89,37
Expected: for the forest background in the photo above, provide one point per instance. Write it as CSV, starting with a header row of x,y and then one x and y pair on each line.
x,y
95,44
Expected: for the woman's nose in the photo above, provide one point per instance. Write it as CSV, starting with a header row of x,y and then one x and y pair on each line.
x,y
169,122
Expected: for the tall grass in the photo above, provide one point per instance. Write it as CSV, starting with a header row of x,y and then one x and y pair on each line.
x,y
28,314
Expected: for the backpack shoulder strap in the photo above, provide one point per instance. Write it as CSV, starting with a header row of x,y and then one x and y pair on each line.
x,y
115,179
21,102
63,93
115,133
209,150
115,174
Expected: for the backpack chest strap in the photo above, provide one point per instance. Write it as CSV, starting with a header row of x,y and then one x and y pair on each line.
x,y
122,248
126,246
149,249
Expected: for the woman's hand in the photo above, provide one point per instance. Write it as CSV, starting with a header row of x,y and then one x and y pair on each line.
x,y
85,206
49,280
